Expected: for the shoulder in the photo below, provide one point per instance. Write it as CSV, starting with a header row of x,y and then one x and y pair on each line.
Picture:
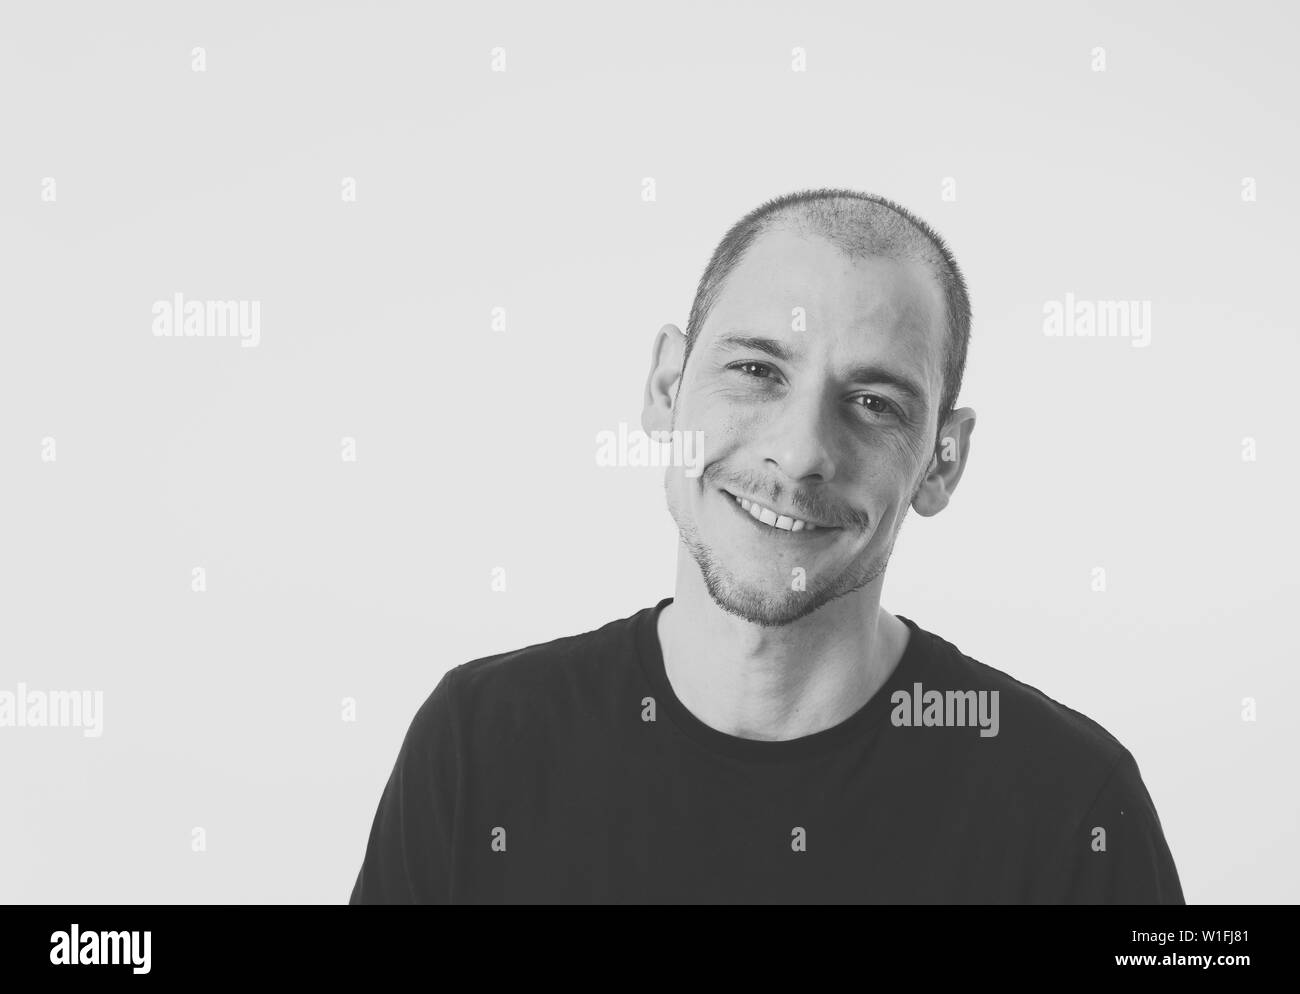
x,y
1038,739
537,682
1085,816
547,665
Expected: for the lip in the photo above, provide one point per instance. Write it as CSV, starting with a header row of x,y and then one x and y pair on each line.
x,y
771,530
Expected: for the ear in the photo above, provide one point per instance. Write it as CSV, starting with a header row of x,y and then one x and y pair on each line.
x,y
665,375
946,465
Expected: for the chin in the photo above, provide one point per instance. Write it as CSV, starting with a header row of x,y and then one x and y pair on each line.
x,y
762,606
761,602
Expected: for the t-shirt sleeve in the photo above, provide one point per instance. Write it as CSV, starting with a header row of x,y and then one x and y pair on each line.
x,y
409,853
1118,853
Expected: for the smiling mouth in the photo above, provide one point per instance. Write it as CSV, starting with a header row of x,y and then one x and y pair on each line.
x,y
762,515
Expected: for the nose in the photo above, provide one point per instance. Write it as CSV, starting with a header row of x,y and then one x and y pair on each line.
x,y
797,443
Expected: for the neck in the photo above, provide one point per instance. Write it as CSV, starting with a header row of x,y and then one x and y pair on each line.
x,y
776,683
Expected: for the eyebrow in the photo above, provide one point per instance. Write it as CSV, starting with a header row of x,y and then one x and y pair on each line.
x,y
865,373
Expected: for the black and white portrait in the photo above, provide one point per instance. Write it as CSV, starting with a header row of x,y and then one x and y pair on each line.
x,y
695,454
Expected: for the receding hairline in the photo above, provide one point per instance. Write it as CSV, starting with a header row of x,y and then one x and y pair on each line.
x,y
859,225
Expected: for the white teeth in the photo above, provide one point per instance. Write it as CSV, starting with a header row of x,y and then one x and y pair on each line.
x,y
770,517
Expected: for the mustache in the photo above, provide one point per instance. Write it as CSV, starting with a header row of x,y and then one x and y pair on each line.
x,y
811,506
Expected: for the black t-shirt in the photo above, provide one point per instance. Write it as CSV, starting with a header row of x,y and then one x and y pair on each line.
x,y
571,772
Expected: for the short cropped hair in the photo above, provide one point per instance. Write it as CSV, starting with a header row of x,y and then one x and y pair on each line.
x,y
859,225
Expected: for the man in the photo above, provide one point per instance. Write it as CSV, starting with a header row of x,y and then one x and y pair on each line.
x,y
771,733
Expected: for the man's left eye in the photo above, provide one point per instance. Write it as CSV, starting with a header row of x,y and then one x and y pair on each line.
x,y
885,406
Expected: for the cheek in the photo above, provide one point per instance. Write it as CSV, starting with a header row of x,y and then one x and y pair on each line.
x,y
723,425
718,404
879,483
878,462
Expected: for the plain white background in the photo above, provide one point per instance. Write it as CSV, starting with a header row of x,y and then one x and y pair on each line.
x,y
476,449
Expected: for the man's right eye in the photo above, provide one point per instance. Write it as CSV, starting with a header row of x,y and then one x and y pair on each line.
x,y
763,370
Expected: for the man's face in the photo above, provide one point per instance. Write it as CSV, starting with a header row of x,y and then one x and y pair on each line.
x,y
807,422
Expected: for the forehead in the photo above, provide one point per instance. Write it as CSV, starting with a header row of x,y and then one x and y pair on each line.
x,y
872,305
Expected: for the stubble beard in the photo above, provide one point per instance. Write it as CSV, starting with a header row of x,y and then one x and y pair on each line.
x,y
769,608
